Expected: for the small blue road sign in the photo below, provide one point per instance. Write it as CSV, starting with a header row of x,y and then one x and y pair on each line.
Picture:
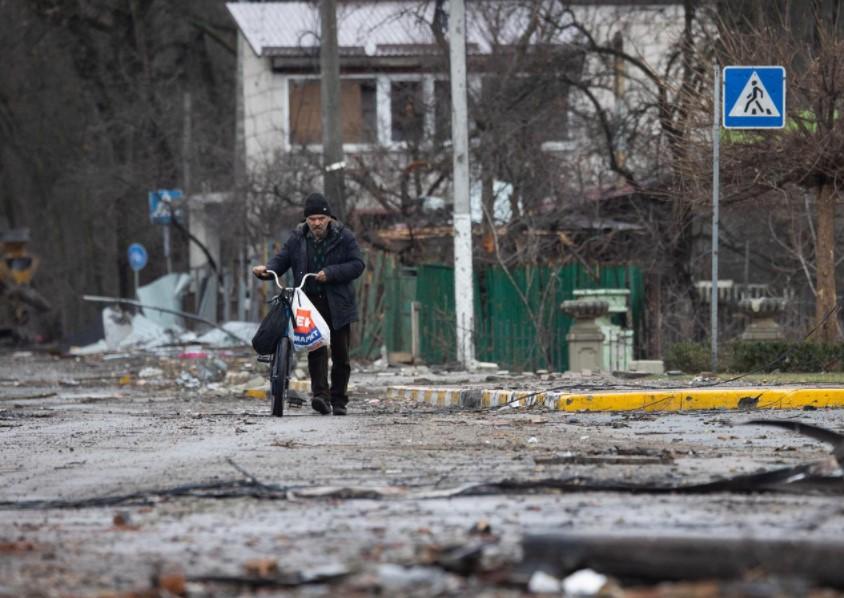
x,y
164,204
754,97
137,257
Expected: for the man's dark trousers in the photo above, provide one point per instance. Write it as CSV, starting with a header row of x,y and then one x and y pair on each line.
x,y
341,368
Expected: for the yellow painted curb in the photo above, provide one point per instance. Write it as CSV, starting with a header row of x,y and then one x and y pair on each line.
x,y
524,398
263,392
256,393
673,400
691,399
300,385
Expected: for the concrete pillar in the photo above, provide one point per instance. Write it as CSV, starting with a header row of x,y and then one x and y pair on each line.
x,y
585,339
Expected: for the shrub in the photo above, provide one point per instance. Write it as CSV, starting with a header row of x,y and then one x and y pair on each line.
x,y
688,357
787,357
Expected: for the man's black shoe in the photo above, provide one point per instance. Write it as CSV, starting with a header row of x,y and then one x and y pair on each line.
x,y
339,409
321,405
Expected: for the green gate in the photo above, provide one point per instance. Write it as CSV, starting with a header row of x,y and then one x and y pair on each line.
x,y
519,324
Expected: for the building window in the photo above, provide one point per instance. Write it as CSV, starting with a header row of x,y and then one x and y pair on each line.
x,y
407,111
357,111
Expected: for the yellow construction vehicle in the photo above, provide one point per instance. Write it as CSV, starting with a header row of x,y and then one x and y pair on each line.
x,y
25,315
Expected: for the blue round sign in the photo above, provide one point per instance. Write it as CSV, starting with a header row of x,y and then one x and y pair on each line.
x,y
137,256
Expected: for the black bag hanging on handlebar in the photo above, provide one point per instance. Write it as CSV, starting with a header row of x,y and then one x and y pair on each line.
x,y
272,328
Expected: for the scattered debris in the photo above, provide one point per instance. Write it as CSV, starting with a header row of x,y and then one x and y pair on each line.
x,y
325,574
482,527
150,372
117,325
463,560
161,326
172,582
631,375
584,583
433,580
228,333
264,567
570,458
816,432
542,583
188,381
123,522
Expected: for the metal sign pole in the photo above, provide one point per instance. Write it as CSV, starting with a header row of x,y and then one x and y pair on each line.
x,y
166,231
716,138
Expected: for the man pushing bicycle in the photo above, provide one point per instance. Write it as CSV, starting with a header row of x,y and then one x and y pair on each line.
x,y
323,246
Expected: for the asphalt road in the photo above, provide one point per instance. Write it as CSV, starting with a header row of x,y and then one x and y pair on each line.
x,y
371,497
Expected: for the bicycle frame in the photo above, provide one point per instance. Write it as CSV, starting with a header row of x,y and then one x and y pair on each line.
x,y
282,363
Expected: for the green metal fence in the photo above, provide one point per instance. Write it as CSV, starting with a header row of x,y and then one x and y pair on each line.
x,y
519,324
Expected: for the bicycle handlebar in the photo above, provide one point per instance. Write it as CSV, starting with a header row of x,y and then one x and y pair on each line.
x,y
278,284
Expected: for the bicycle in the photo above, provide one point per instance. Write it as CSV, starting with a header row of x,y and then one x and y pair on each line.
x,y
281,362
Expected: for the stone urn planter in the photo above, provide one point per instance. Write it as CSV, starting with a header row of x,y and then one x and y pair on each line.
x,y
762,312
585,339
585,309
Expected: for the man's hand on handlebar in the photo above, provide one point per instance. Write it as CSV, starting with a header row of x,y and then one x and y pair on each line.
x,y
261,272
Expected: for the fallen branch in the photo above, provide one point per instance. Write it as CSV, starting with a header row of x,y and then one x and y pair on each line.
x,y
798,479
660,558
223,489
281,580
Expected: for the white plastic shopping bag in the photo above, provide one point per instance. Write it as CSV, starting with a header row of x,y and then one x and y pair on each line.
x,y
307,330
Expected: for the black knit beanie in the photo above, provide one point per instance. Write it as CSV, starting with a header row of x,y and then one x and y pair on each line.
x,y
316,204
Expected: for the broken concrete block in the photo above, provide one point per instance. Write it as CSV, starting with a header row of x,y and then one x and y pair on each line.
x,y
650,366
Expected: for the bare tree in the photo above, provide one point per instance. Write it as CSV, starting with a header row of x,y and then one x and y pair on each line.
x,y
95,115
804,161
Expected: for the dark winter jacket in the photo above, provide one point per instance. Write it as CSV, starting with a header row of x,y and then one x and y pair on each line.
x,y
343,263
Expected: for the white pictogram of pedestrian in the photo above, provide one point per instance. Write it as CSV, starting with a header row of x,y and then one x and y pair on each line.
x,y
754,100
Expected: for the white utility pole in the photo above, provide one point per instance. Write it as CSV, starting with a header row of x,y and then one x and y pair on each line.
x,y
463,278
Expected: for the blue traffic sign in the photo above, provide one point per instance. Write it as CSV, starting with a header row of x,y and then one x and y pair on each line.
x,y
164,204
137,257
754,97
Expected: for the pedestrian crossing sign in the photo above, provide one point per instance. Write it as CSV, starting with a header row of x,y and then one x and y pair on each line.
x,y
754,97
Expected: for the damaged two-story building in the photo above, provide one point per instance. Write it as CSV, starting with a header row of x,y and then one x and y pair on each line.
x,y
525,60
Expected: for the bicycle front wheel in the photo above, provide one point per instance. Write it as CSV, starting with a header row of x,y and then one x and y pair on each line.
x,y
280,377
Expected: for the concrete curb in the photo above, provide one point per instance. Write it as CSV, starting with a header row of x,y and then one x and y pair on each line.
x,y
686,399
263,392
300,385
466,398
